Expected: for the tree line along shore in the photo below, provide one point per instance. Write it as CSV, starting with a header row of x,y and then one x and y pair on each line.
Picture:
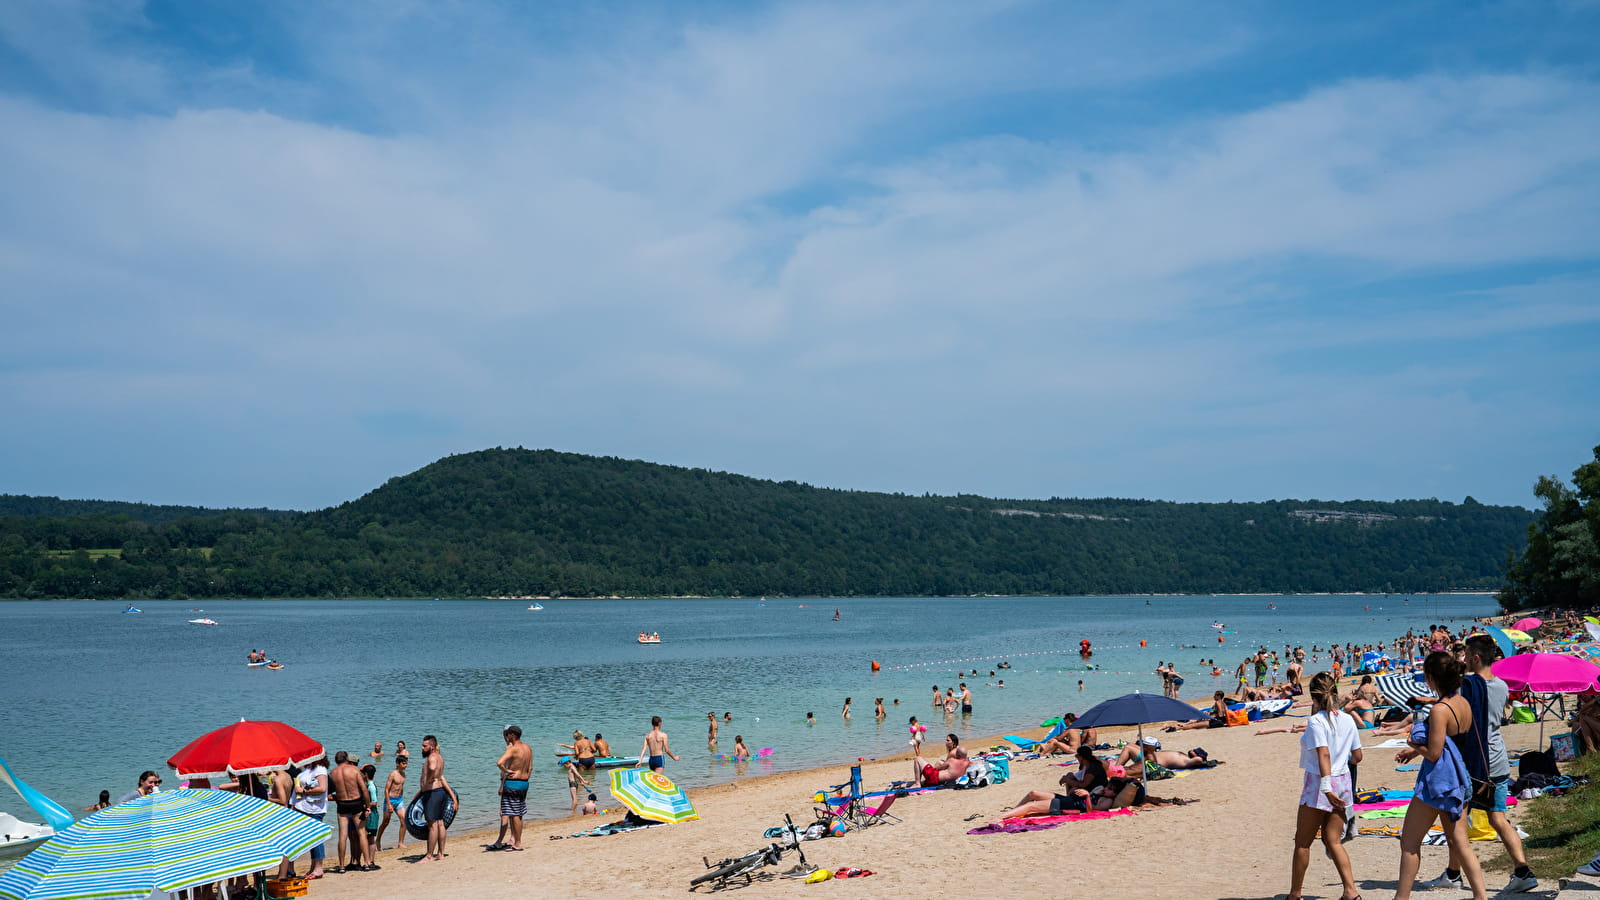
x,y
523,522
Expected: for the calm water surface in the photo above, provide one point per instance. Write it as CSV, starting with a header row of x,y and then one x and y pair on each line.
x,y
94,696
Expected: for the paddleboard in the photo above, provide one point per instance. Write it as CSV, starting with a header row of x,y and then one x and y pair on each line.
x,y
417,824
255,665
603,762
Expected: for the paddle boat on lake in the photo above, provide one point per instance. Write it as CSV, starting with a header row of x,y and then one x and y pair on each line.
x,y
203,621
650,638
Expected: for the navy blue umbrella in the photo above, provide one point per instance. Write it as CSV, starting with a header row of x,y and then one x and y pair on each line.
x,y
1138,709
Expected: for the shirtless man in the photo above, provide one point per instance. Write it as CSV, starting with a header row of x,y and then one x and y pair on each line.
x,y
377,751
350,799
943,771
711,739
515,765
656,749
966,700
601,746
434,791
394,800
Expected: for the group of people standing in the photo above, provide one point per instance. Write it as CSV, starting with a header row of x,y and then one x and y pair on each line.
x,y
1464,767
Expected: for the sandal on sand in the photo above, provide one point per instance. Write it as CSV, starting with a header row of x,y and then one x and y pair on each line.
x,y
496,846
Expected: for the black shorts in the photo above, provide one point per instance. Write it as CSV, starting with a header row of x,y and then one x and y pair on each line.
x,y
433,804
350,807
586,763
1066,803
966,707
1217,723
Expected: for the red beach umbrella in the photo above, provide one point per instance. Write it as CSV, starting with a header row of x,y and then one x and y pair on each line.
x,y
245,748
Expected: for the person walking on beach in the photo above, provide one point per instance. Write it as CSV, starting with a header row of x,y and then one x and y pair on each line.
x,y
917,732
350,803
1328,747
394,801
1488,696
656,748
515,765
1443,786
575,781
434,791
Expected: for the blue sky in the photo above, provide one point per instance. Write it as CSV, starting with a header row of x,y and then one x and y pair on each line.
x,y
273,254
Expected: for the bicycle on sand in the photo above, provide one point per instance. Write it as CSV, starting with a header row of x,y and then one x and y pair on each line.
x,y
720,873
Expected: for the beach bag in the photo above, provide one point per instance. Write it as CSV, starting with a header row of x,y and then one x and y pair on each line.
x,y
1154,772
977,774
1564,747
1523,714
1537,762
1238,717
999,769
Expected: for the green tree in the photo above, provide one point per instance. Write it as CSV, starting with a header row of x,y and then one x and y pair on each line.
x,y
1561,564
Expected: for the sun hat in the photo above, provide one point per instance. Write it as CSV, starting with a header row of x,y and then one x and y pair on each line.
x,y
1151,742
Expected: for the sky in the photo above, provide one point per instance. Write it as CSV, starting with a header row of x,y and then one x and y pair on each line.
x,y
273,254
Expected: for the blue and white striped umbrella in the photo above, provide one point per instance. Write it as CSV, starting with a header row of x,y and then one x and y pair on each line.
x,y
164,842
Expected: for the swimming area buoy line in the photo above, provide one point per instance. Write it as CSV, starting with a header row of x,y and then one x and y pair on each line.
x,y
1004,656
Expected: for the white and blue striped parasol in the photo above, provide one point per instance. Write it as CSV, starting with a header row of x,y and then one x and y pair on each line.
x,y
165,842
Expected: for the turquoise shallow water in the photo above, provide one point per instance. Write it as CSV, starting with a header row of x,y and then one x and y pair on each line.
x,y
94,696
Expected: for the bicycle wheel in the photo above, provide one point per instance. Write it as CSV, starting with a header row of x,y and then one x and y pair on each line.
x,y
729,868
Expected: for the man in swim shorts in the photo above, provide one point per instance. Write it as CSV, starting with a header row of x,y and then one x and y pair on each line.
x,y
966,700
944,771
434,791
656,749
350,801
515,765
394,801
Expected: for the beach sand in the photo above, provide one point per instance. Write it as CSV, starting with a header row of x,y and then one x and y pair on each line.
x,y
1234,843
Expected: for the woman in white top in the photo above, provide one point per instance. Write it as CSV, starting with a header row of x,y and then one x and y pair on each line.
x,y
1328,746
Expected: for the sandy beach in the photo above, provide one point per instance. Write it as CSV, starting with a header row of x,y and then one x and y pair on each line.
x,y
1233,843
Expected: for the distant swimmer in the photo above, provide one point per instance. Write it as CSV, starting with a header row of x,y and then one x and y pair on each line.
x,y
836,615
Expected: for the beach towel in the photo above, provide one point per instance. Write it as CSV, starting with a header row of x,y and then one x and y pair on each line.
x,y
1394,812
1443,785
1045,823
1392,742
1382,804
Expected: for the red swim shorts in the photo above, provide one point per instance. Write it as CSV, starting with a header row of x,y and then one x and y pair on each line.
x,y
930,775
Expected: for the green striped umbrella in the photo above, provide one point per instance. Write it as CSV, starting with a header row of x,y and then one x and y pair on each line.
x,y
165,842
651,795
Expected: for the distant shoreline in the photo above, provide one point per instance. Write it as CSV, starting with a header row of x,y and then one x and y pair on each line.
x,y
819,597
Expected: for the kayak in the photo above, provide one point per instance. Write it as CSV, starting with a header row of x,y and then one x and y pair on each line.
x,y
603,762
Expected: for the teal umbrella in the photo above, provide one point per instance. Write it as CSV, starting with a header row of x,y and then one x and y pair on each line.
x,y
162,842
651,795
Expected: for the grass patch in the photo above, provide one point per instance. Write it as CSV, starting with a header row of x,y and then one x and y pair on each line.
x,y
1563,832
114,552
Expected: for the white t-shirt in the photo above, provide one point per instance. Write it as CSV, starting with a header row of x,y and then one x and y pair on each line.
x,y
312,804
1337,732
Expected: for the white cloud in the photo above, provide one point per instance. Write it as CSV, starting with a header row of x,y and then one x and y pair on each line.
x,y
618,233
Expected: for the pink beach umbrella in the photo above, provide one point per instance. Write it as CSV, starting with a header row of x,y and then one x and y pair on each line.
x,y
1528,624
1547,673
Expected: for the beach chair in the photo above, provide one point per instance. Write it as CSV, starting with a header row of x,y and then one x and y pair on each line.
x,y
1025,744
851,788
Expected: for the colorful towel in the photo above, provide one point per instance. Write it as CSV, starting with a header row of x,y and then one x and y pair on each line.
x,y
1385,804
1045,823
1398,812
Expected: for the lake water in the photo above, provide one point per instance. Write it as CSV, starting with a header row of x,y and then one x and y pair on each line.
x,y
94,696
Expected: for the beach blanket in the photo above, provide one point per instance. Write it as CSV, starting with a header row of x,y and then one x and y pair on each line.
x,y
1045,823
1397,812
1385,804
1392,742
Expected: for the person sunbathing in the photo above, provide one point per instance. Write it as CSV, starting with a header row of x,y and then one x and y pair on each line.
x,y
1170,759
1091,774
943,771
1119,791
1069,740
1219,716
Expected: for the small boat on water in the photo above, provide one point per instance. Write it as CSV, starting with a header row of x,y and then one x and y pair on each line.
x,y
536,606
652,638
133,609
18,837
204,621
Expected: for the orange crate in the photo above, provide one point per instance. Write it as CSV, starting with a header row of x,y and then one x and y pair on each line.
x,y
283,888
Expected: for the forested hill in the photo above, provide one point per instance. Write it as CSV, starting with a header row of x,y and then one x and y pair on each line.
x,y
55,507
541,522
